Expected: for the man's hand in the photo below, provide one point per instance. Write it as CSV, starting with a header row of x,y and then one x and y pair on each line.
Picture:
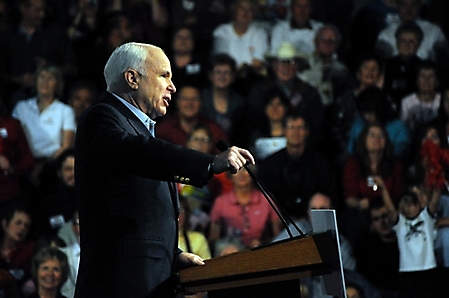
x,y
232,159
186,259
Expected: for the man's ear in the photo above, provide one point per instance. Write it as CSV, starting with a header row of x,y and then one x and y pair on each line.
x,y
132,78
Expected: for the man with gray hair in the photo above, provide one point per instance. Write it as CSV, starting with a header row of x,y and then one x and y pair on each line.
x,y
128,201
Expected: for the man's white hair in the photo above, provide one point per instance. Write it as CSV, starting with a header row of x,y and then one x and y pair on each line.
x,y
129,55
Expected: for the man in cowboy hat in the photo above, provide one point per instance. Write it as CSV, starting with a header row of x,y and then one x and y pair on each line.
x,y
304,99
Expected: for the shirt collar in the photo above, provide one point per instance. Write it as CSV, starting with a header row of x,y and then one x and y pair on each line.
x,y
147,121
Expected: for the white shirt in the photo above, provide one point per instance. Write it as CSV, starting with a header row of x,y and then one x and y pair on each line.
x,y
302,39
414,111
416,242
44,129
73,257
253,44
432,35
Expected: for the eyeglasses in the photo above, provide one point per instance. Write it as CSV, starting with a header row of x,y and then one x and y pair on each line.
x,y
286,61
383,216
199,139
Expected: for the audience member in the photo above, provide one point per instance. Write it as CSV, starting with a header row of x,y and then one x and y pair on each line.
x,y
442,244
227,245
371,165
433,42
189,63
374,106
368,74
299,30
243,213
201,199
82,95
58,207
69,232
203,16
176,127
441,122
16,249
220,101
303,97
50,270
353,290
84,25
401,69
48,123
243,39
30,45
16,160
295,173
422,106
414,227
325,72
269,136
377,252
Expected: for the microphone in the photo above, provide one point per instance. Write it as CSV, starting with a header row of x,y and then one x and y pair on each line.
x,y
274,203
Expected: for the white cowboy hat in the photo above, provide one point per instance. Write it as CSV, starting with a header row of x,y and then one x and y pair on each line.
x,y
286,51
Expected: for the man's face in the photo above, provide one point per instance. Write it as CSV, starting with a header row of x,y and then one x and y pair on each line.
x,y
244,12
301,10
407,44
81,100
380,222
34,13
285,70
183,41
369,72
155,88
67,171
189,103
326,43
408,10
296,132
427,81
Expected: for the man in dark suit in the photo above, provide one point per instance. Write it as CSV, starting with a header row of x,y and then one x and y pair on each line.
x,y
125,180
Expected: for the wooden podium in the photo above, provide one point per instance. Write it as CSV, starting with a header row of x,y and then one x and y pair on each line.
x,y
286,260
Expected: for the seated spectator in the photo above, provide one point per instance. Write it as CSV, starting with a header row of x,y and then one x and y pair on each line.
x,y
325,72
293,174
82,95
269,136
433,43
422,106
243,213
175,128
374,106
227,245
369,73
377,252
16,160
371,165
58,207
16,249
303,97
299,30
30,45
242,39
50,270
48,123
189,65
401,69
220,101
201,199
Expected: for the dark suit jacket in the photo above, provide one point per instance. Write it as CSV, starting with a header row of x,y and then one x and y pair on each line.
x,y
128,204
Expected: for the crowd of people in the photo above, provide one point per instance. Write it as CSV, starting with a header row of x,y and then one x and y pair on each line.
x,y
350,106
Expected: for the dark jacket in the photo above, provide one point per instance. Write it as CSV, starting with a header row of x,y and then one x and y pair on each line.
x,y
128,204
